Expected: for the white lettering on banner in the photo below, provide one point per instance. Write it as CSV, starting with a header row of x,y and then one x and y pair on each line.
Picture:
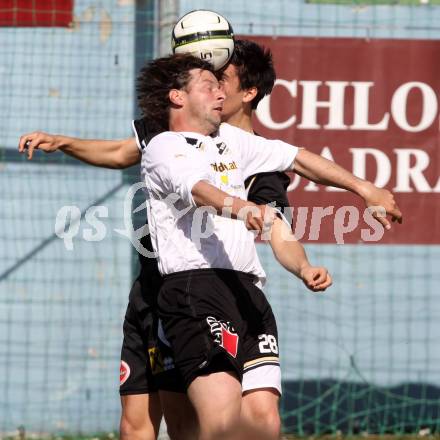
x,y
399,106
407,173
362,107
383,165
263,109
335,106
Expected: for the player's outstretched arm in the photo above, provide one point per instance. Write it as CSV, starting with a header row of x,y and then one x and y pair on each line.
x,y
320,170
102,153
262,155
291,255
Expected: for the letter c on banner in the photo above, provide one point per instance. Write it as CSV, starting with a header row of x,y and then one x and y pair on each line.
x,y
263,109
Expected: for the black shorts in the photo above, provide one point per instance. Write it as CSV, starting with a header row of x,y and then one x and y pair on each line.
x,y
216,320
140,335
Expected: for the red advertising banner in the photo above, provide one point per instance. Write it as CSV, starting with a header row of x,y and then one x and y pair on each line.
x,y
373,107
31,13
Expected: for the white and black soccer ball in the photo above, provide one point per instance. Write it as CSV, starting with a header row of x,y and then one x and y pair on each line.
x,y
206,35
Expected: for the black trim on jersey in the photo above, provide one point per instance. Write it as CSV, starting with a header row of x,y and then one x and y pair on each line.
x,y
191,141
205,35
144,132
253,367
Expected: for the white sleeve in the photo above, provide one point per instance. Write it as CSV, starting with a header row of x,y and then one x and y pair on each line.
x,y
173,166
261,155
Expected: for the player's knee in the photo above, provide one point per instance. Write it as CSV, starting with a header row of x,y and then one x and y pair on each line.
x,y
133,429
222,426
141,416
265,420
271,424
127,430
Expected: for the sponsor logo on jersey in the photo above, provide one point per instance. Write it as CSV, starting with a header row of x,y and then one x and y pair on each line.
x,y
221,147
168,363
222,167
159,362
124,372
224,334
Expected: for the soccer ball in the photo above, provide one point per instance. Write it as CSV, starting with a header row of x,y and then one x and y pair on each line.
x,y
204,34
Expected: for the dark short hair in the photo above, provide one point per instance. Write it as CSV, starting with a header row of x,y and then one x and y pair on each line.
x,y
254,68
156,80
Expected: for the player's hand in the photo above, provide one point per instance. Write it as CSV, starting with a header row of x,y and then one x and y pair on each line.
x,y
260,218
380,201
317,279
38,140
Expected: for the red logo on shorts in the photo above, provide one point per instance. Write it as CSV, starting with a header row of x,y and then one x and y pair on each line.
x,y
224,334
124,373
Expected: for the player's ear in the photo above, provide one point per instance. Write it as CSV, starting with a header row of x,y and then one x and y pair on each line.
x,y
176,96
250,94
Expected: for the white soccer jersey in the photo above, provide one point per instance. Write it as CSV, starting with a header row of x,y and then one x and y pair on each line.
x,y
186,237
